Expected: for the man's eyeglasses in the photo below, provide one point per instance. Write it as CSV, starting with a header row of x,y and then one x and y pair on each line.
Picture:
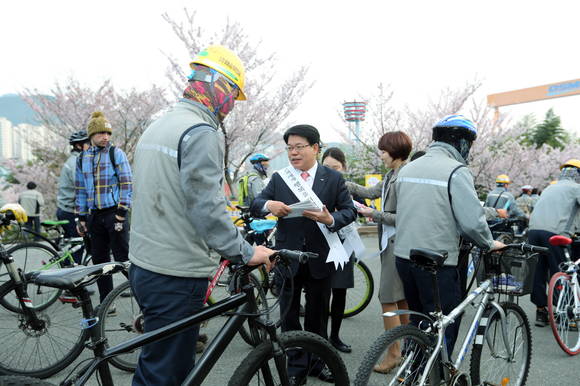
x,y
296,147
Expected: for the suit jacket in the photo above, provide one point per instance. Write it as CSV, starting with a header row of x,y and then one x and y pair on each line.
x,y
302,233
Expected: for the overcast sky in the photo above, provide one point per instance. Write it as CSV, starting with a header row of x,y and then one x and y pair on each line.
x,y
419,47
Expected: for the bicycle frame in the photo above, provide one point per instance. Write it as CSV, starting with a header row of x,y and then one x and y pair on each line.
x,y
205,363
441,322
572,270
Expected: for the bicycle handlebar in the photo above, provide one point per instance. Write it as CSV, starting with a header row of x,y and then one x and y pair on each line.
x,y
300,256
524,248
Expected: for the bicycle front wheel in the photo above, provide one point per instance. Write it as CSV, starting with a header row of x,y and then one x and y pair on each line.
x,y
17,380
359,297
33,257
491,362
397,357
563,320
120,320
260,368
43,348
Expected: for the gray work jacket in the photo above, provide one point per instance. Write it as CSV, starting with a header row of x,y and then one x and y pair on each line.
x,y
179,213
501,198
65,197
555,207
424,215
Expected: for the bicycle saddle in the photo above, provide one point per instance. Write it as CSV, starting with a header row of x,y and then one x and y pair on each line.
x,y
54,223
261,226
428,258
71,278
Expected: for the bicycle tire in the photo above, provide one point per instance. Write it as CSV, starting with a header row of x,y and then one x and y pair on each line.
x,y
31,257
122,326
18,380
489,335
561,313
44,352
416,345
249,331
356,304
258,359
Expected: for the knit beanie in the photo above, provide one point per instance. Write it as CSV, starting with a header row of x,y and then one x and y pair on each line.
x,y
98,124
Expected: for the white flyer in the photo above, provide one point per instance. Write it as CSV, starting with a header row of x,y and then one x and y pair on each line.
x,y
304,193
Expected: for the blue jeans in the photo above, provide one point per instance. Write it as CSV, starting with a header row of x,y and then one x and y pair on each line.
x,y
165,299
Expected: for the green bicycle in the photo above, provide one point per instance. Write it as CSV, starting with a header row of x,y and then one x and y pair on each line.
x,y
44,254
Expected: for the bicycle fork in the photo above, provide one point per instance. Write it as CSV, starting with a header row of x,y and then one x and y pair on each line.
x,y
20,289
504,330
280,358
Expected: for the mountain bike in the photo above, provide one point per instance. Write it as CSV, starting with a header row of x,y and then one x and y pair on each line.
x,y
121,317
564,299
35,342
500,331
55,253
267,363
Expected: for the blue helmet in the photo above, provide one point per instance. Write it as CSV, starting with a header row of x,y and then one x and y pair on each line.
x,y
455,124
258,157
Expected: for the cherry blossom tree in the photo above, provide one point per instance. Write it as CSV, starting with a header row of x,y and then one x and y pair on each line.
x,y
255,124
67,108
499,148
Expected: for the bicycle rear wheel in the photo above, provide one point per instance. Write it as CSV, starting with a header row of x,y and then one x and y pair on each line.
x,y
120,320
259,367
43,350
490,361
32,257
250,332
401,353
563,320
359,297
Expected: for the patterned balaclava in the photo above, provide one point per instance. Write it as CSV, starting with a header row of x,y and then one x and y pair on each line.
x,y
211,89
570,173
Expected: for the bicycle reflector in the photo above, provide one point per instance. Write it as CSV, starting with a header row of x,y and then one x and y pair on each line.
x,y
560,241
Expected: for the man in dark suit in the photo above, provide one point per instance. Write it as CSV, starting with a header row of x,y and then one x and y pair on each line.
x,y
303,233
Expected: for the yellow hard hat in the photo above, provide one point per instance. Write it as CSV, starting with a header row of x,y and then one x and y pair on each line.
x,y
553,182
226,62
502,179
571,162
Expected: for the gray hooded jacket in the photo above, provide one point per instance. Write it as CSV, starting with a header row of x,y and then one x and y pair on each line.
x,y
179,213
424,215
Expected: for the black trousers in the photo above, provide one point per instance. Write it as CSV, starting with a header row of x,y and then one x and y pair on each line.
x,y
33,223
419,294
547,266
70,230
315,318
104,240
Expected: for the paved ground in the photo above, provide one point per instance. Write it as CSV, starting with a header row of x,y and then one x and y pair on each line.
x,y
549,364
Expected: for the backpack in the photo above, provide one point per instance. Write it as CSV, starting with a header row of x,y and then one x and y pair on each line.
x,y
111,157
243,189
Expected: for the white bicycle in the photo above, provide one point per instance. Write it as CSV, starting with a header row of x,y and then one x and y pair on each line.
x,y
564,300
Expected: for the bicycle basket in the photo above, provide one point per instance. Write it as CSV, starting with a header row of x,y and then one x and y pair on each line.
x,y
511,271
